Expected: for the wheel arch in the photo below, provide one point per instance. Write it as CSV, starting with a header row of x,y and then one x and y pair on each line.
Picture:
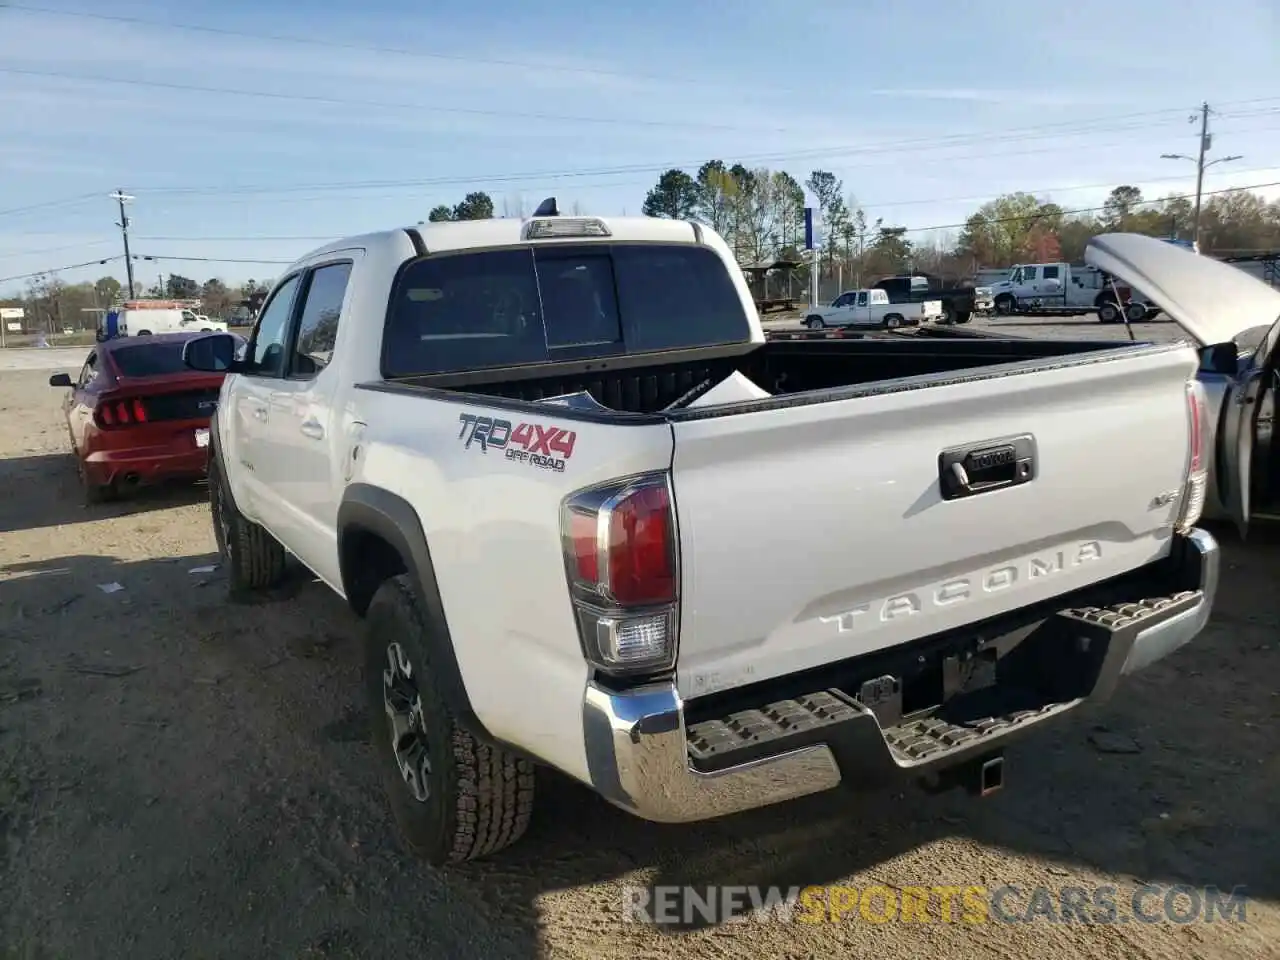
x,y
380,536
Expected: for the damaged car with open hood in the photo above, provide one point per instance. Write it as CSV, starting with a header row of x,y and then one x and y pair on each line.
x,y
1234,319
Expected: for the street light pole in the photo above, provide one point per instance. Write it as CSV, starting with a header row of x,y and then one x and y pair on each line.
x,y
1206,141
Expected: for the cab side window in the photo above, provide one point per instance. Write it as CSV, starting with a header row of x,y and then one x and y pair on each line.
x,y
272,329
862,299
318,326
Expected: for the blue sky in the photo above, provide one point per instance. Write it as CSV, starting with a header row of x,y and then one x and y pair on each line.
x,y
925,109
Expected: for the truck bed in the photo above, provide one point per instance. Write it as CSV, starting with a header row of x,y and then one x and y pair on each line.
x,y
826,369
824,520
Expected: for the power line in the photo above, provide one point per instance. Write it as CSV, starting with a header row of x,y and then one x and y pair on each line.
x,y
432,108
136,256
417,107
540,67
156,256
822,153
360,188
537,66
65,201
1079,210
1035,191
69,266
1043,131
940,226
60,247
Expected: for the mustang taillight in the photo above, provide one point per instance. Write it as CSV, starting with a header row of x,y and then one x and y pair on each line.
x,y
120,413
1197,479
621,557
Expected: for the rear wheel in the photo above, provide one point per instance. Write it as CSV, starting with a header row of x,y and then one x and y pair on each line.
x,y
1109,312
453,797
892,321
143,333
254,559
1135,312
946,316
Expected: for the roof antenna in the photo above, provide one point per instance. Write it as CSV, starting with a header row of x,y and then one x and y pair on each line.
x,y
547,208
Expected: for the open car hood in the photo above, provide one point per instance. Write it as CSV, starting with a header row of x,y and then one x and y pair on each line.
x,y
1211,300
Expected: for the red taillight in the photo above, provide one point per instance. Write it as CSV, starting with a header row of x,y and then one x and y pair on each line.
x,y
640,548
583,529
121,413
620,556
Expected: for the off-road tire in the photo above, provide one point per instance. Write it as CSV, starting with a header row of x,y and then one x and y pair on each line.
x,y
480,797
254,560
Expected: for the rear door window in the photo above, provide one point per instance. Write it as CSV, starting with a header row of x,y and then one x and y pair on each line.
x,y
465,311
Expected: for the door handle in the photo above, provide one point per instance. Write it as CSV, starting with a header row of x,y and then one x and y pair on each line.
x,y
983,467
259,413
312,429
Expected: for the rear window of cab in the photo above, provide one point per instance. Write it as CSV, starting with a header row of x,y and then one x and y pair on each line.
x,y
455,312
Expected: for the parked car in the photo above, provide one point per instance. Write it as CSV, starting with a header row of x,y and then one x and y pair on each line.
x,y
1235,320
872,309
136,414
542,457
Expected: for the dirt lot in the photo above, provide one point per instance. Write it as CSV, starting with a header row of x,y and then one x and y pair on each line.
x,y
184,777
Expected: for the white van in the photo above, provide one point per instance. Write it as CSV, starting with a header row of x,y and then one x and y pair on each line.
x,y
143,323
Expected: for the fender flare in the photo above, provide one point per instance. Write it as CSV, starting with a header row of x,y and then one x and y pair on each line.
x,y
373,510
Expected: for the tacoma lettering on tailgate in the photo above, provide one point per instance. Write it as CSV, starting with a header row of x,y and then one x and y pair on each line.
x,y
546,447
959,589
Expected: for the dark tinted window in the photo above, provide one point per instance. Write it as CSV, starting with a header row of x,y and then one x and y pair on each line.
x,y
674,296
467,311
579,303
153,359
318,328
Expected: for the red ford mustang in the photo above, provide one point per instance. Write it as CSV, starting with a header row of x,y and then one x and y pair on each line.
x,y
138,415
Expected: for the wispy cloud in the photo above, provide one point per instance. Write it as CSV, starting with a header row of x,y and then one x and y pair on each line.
x,y
1036,98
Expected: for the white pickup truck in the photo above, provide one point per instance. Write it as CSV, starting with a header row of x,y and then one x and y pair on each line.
x,y
594,520
872,308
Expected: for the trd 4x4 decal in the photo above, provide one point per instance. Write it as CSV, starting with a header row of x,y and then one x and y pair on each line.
x,y
542,446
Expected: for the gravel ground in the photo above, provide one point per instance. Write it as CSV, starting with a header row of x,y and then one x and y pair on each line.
x,y
184,777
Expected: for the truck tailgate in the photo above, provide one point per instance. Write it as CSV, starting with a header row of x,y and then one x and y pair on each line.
x,y
817,532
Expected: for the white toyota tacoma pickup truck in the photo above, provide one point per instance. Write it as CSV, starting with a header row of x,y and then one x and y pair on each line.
x,y
595,521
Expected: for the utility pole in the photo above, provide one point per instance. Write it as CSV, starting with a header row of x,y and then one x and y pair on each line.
x,y
122,198
1206,142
